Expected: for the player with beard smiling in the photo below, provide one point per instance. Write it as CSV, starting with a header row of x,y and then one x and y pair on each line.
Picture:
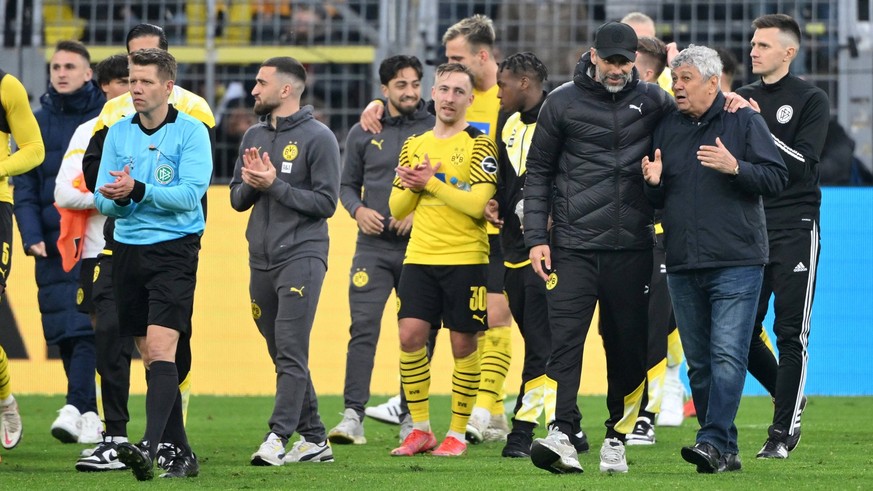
x,y
367,179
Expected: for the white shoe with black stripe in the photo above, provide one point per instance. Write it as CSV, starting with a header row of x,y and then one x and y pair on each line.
x,y
304,451
104,457
387,412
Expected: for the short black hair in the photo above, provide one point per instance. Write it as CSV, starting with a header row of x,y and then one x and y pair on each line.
x,y
525,63
74,47
390,67
729,63
288,66
785,23
112,68
160,58
147,30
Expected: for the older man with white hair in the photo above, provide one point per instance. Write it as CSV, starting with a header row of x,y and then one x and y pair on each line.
x,y
708,171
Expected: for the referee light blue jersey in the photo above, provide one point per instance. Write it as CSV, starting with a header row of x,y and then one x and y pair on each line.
x,y
172,166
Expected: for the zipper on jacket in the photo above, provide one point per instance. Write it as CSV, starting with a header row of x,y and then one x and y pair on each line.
x,y
616,172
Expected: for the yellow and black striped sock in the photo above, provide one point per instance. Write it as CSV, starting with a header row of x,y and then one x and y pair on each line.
x,y
5,382
465,385
415,379
496,355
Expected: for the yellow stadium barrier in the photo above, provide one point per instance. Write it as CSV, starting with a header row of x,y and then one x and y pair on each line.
x,y
230,356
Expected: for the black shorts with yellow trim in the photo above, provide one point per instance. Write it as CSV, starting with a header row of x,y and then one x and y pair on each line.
x,y
85,292
5,241
455,296
496,270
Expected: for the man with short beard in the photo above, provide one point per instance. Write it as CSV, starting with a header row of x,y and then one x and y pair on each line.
x,y
583,171
288,173
367,180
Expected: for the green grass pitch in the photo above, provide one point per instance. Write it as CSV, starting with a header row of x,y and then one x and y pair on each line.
x,y
836,452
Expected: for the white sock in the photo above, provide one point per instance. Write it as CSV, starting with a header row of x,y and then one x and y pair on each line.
x,y
421,425
8,401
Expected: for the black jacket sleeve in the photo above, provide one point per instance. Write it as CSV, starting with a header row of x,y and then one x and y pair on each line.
x,y
542,165
91,159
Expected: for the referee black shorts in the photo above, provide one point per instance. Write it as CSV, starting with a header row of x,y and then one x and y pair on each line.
x,y
154,284
455,295
5,242
496,269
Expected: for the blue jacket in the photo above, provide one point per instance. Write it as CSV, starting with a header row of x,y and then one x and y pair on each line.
x,y
37,217
712,219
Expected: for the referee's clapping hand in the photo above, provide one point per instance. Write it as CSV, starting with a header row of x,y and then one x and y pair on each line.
x,y
120,188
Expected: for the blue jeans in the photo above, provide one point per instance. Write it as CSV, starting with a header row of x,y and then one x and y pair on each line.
x,y
715,311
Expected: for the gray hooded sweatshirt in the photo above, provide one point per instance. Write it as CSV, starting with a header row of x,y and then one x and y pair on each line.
x,y
289,219
368,172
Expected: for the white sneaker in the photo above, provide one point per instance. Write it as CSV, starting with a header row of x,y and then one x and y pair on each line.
x,y
349,430
304,451
387,412
476,425
643,434
612,458
497,429
103,457
673,403
68,425
10,424
91,428
555,453
271,452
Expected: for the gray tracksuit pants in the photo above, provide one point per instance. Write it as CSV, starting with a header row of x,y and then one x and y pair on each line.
x,y
284,300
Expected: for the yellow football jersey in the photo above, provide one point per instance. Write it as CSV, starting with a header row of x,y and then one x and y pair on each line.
x,y
482,114
183,100
444,234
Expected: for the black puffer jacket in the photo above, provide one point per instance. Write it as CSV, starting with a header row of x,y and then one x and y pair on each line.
x,y
584,165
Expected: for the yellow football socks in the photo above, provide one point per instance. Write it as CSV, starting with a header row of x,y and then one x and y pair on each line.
x,y
415,378
496,353
5,383
465,385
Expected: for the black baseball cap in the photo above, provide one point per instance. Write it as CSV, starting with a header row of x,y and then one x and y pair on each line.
x,y
615,38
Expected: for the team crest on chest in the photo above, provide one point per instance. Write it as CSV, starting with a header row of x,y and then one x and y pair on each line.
x,y
457,157
784,114
164,174
290,151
